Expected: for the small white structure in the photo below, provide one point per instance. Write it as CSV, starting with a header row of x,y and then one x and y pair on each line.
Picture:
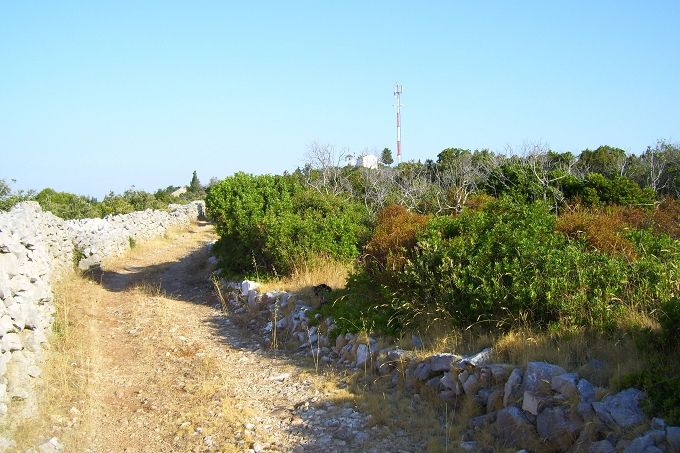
x,y
367,161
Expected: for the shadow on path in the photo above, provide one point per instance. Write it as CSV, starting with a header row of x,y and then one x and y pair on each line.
x,y
188,280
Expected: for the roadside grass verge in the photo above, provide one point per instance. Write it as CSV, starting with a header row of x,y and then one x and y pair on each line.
x,y
61,394
305,276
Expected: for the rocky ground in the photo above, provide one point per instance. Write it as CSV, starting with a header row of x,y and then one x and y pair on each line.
x,y
167,371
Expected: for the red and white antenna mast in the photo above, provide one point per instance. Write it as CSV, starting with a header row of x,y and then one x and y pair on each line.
x,y
397,93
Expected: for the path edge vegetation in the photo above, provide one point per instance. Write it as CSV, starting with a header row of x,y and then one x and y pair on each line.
x,y
477,249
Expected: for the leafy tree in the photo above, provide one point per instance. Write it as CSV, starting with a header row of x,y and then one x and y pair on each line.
x,y
386,157
142,200
9,198
113,204
67,205
606,160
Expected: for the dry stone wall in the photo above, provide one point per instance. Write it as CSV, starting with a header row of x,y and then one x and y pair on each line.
x,y
36,249
98,239
540,407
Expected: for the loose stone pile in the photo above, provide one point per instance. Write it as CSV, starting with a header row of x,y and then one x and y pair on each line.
x,y
36,249
539,408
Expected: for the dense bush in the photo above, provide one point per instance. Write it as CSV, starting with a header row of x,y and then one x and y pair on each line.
x,y
67,205
394,234
508,260
601,230
318,225
114,204
272,223
8,197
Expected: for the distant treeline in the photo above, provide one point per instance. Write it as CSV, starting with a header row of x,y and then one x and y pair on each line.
x,y
71,206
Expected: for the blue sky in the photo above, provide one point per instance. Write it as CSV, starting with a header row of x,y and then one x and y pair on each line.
x,y
99,96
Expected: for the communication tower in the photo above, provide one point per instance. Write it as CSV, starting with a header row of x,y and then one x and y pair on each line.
x,y
397,93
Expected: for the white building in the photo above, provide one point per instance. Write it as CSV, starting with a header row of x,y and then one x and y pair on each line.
x,y
367,161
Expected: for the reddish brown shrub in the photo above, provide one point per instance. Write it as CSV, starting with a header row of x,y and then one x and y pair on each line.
x,y
663,219
394,233
667,218
602,230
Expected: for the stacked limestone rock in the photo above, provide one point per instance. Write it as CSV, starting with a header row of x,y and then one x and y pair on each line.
x,y
33,250
540,407
97,239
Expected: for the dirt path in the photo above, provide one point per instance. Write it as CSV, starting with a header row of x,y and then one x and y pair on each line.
x,y
169,372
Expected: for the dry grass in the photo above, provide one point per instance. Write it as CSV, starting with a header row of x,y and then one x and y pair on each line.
x,y
62,391
573,349
308,275
191,385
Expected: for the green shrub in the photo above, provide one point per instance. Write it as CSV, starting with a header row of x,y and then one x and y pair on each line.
x,y
67,205
362,306
113,204
508,261
319,224
273,223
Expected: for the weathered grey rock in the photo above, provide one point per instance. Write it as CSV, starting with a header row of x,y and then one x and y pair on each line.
x,y
673,438
51,446
494,401
481,358
622,409
565,384
499,372
16,311
398,354
512,387
252,297
247,286
9,267
482,420
452,385
471,385
538,375
10,342
658,423
558,427
434,383
6,325
423,372
533,402
4,287
586,391
362,354
602,446
34,371
6,444
442,362
657,435
513,428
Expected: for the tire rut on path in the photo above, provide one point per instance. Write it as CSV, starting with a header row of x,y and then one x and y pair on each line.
x,y
170,372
